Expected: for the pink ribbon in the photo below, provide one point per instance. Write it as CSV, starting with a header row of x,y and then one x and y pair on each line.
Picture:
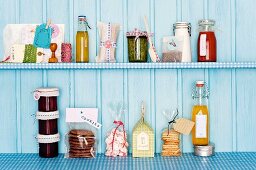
x,y
108,44
118,123
6,59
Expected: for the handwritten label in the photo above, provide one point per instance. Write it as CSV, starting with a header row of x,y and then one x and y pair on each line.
x,y
88,115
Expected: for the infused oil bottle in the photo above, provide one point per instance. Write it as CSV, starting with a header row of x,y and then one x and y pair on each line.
x,y
82,41
200,115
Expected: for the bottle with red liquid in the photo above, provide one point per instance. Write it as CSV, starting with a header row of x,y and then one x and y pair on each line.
x,y
207,45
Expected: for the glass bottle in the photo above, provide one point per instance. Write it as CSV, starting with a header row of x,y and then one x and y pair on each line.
x,y
206,45
200,115
82,41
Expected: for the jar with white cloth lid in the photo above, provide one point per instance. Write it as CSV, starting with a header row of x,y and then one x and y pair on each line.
x,y
183,29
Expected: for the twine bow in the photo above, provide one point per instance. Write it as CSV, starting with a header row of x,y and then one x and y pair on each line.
x,y
172,121
118,123
83,139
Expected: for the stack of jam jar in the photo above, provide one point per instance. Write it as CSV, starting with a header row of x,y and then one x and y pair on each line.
x,y
47,116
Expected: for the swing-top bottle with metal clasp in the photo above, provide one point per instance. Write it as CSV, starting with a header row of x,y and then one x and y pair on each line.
x,y
82,41
200,114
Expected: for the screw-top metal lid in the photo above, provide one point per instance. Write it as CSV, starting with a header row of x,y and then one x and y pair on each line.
x,y
209,22
207,150
180,25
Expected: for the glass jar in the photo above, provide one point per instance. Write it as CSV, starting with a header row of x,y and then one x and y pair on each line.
x,y
183,29
47,103
137,46
206,45
47,120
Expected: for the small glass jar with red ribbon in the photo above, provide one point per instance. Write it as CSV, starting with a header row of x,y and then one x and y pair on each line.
x,y
116,140
137,45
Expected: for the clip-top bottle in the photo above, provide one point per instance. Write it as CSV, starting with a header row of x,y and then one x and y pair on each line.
x,y
82,41
200,115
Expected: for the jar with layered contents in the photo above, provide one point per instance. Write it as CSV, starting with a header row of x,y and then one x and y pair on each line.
x,y
207,45
47,116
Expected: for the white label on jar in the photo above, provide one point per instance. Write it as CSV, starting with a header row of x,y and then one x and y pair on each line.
x,y
143,141
201,129
203,45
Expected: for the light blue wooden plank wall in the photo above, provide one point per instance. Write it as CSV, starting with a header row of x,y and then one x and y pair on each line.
x,y
232,97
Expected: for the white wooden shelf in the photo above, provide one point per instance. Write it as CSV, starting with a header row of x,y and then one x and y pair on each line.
x,y
71,66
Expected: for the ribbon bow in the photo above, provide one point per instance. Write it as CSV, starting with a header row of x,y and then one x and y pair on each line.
x,y
108,44
172,121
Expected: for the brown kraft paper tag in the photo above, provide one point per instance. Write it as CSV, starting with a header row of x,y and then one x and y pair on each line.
x,y
183,126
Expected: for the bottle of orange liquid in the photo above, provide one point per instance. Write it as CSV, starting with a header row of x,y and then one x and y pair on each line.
x,y
82,41
200,115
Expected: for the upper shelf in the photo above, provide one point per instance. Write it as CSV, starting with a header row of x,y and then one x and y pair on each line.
x,y
67,66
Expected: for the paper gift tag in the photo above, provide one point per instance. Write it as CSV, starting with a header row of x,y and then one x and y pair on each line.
x,y
43,36
88,115
183,126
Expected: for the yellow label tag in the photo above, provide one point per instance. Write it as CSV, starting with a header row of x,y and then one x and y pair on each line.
x,y
183,126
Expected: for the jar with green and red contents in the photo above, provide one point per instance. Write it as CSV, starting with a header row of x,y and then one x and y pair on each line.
x,y
47,116
137,46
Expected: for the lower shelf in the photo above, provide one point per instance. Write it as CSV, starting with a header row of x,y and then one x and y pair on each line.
x,y
238,160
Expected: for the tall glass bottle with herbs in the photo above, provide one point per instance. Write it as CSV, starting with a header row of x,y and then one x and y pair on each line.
x,y
82,41
200,115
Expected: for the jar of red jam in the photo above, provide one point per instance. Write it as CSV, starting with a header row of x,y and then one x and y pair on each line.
x,y
47,116
207,45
